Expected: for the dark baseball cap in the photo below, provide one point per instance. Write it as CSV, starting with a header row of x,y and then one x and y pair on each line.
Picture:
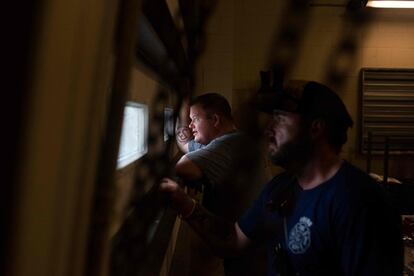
x,y
308,98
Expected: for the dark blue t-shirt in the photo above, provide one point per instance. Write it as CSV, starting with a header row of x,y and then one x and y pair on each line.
x,y
341,227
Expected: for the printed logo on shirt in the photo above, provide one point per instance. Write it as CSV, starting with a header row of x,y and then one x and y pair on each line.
x,y
300,236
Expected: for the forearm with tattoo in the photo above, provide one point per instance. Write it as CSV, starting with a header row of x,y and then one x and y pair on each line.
x,y
218,233
183,134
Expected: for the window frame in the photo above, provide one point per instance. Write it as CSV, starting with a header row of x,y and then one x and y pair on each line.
x,y
133,157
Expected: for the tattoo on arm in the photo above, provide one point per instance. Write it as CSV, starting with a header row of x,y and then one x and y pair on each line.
x,y
183,134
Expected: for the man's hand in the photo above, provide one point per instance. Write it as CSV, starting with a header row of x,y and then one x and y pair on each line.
x,y
224,237
180,201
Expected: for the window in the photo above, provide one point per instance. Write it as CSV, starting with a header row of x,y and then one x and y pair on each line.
x,y
387,110
134,134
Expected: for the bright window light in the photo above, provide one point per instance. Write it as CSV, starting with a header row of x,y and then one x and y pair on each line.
x,y
134,134
390,4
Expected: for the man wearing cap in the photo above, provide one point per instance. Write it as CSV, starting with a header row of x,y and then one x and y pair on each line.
x,y
322,215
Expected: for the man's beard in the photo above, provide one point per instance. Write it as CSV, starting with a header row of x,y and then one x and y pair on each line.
x,y
293,154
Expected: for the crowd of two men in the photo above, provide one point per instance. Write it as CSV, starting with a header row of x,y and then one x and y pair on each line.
x,y
320,216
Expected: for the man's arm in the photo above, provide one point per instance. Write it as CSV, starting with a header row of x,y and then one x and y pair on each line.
x,y
224,237
183,133
186,169
183,136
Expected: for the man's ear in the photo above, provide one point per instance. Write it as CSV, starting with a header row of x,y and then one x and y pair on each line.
x,y
216,120
317,128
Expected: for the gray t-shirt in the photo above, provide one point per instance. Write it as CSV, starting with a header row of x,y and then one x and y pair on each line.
x,y
230,164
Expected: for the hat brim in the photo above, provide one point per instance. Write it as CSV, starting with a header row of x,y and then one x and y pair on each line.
x,y
270,102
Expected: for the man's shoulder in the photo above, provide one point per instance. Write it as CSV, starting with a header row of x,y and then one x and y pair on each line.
x,y
232,142
355,178
356,187
232,136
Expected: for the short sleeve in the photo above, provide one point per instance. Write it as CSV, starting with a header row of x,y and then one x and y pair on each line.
x,y
193,146
214,160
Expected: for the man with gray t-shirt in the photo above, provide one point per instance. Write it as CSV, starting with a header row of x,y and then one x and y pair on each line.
x,y
226,163
222,160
